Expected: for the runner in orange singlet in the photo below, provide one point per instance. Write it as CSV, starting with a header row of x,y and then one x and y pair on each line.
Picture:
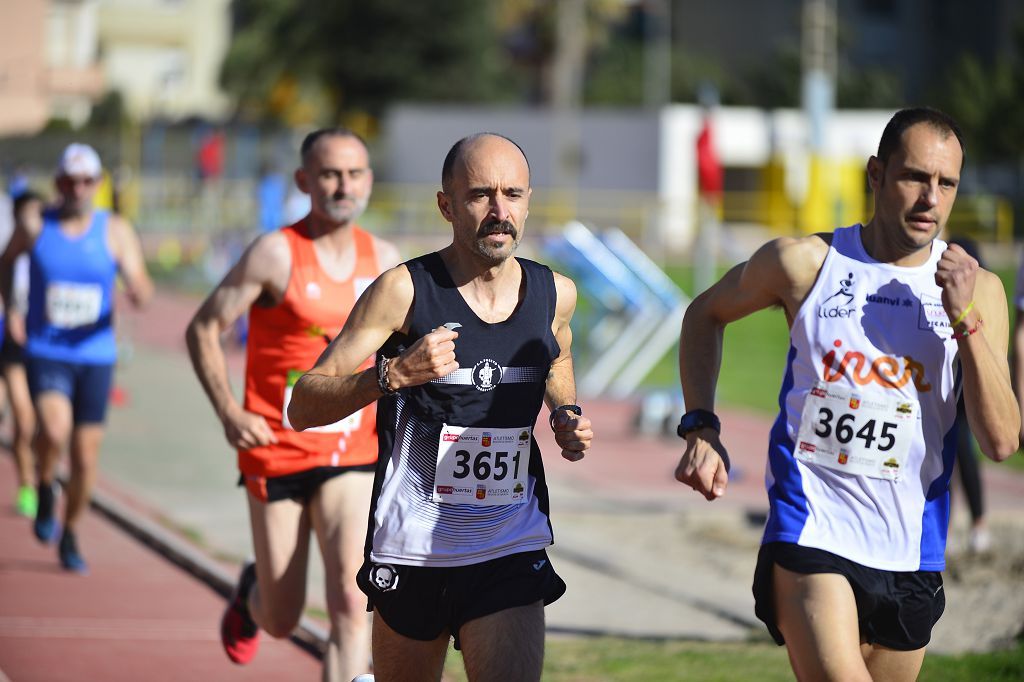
x,y
299,285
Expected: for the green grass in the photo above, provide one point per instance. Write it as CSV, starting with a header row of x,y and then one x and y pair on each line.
x,y
587,660
753,357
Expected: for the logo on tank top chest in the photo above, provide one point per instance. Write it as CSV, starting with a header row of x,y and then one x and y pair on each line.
x,y
486,374
313,290
839,304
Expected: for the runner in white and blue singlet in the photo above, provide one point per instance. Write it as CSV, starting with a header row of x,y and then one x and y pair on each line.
x,y
888,325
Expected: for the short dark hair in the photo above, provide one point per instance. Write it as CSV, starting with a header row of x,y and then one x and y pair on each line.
x,y
335,131
892,136
456,152
23,198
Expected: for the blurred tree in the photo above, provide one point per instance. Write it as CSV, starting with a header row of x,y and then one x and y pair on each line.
x,y
988,102
312,62
530,28
109,112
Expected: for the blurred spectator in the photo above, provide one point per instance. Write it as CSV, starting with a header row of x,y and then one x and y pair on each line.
x,y
210,158
17,185
271,193
12,363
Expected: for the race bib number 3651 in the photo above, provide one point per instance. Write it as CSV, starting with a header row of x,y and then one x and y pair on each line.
x,y
862,435
482,466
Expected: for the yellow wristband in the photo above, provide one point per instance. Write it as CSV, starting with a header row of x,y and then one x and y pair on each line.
x,y
964,314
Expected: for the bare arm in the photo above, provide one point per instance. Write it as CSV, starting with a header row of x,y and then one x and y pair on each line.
x,y
334,388
27,226
131,263
992,410
781,273
573,432
263,267
1018,361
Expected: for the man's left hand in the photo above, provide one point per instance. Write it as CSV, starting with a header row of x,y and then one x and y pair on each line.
x,y
573,434
955,273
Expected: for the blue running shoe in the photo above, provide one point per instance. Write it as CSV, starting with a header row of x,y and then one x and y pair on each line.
x,y
46,529
70,558
45,526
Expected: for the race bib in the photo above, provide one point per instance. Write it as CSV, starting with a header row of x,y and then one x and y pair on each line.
x,y
482,466
346,425
70,304
861,435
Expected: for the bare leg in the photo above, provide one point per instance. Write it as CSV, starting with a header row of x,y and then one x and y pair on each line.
x,y
85,454
280,538
891,665
818,617
507,645
339,510
24,422
400,659
54,412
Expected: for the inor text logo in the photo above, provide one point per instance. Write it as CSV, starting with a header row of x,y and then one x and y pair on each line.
x,y
886,371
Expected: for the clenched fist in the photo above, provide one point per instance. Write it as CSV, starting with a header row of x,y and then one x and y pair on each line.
x,y
955,273
431,357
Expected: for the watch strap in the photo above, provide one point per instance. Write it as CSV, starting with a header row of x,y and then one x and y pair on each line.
x,y
575,409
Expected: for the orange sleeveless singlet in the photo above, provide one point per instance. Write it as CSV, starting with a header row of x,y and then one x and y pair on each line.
x,y
285,340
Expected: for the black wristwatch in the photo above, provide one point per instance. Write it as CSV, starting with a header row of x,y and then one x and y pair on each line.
x,y
575,409
698,419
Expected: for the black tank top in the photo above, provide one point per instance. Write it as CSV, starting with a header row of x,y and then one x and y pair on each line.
x,y
500,383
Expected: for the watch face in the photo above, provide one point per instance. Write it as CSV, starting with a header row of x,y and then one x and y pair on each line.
x,y
697,419
691,422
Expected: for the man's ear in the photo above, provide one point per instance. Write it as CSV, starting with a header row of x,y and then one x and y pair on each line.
x,y
301,180
876,173
444,205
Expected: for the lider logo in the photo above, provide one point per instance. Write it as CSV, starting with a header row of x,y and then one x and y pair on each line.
x,y
885,370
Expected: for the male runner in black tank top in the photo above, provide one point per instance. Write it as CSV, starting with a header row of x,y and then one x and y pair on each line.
x,y
480,340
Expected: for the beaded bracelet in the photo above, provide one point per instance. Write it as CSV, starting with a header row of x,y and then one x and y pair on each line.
x,y
967,332
383,366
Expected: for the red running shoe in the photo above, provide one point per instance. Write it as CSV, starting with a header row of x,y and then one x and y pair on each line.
x,y
238,631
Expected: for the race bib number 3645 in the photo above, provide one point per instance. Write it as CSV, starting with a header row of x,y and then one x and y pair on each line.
x,y
862,435
482,466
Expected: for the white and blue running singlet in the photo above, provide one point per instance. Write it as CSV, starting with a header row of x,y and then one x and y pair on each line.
x,y
71,291
860,456
459,478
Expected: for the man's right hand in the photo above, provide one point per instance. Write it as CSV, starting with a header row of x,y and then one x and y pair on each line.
x,y
431,357
705,464
246,430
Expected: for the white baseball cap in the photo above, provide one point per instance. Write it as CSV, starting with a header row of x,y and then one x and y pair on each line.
x,y
80,159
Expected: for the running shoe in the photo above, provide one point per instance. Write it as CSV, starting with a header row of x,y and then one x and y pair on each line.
x,y
238,631
70,558
45,526
979,541
28,501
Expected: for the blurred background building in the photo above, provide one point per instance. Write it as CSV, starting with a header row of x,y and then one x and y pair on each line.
x,y
61,59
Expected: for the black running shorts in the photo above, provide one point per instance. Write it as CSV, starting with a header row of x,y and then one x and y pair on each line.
x,y
894,609
422,602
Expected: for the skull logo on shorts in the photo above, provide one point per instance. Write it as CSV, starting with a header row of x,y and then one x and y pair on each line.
x,y
384,576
